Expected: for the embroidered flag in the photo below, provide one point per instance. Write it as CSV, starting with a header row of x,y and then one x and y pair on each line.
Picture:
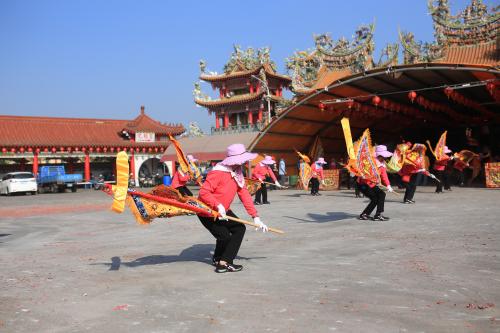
x,y
365,164
397,159
252,185
416,156
305,170
438,152
186,166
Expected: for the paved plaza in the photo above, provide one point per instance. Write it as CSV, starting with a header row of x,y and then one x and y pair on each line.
x,y
68,264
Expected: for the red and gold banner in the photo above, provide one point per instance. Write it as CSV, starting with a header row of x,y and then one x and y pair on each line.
x,y
332,180
492,173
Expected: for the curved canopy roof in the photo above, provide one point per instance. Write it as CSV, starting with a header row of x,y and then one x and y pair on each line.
x,y
396,116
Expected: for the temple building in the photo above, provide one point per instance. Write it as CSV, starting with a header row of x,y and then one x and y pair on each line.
x,y
451,83
250,91
83,145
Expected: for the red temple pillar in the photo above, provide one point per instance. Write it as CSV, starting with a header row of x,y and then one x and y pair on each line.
x,y
217,125
226,120
250,118
251,88
259,117
87,167
132,164
35,163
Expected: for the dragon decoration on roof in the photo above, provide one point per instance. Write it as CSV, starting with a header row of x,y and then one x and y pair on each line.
x,y
356,56
474,25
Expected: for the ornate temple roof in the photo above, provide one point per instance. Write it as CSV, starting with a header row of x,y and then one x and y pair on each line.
x,y
237,99
144,123
469,37
332,60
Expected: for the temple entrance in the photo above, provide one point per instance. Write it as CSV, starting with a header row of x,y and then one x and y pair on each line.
x,y
151,172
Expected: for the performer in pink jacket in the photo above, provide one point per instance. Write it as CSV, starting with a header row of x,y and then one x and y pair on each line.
x,y
259,173
218,191
317,175
180,179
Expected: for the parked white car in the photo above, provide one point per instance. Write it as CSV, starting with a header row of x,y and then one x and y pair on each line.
x,y
15,182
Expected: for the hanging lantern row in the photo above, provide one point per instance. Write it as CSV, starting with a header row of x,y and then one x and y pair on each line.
x,y
438,107
54,150
461,99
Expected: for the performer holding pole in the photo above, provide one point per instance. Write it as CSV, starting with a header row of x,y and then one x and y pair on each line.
x,y
180,178
441,174
259,173
317,175
372,191
218,191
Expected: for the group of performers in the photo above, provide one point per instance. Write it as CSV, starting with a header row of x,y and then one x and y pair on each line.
x,y
370,165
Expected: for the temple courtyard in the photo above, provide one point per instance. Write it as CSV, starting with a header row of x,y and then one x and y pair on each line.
x,y
68,264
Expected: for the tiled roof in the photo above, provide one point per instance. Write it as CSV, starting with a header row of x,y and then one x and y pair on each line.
x,y
233,75
237,99
478,54
144,123
19,131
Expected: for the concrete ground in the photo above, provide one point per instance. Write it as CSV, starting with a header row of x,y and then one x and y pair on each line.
x,y
68,264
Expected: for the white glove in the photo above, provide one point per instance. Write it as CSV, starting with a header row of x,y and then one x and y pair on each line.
x,y
222,212
278,185
261,225
389,188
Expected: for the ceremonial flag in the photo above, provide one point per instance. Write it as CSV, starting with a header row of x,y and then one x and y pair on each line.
x,y
397,159
438,152
416,156
120,190
252,185
365,164
305,171
186,166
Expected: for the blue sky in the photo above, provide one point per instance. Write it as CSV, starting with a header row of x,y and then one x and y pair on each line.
x,y
103,59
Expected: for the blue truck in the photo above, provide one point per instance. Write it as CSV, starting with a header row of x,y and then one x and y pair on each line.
x,y
54,179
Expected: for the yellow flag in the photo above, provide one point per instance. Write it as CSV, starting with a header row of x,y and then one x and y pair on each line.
x,y
120,190
348,138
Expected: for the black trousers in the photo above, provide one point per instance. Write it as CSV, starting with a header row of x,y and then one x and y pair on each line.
x,y
377,199
261,193
228,235
184,191
411,187
439,175
314,185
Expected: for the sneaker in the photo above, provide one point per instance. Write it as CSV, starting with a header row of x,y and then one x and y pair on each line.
x,y
380,218
267,203
228,268
411,201
256,203
363,217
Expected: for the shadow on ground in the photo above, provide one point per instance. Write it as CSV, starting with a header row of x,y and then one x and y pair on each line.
x,y
199,252
322,218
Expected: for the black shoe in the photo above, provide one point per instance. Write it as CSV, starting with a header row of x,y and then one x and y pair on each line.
x,y
380,218
215,261
364,217
267,203
256,203
228,268
411,201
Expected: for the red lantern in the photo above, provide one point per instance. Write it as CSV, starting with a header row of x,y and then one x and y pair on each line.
x,y
412,95
105,149
137,149
12,150
112,149
37,150
21,149
143,149
77,148
376,100
61,149
46,150
4,150
84,149
321,106
150,150
53,149
30,149
98,149
118,149
91,149
448,91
